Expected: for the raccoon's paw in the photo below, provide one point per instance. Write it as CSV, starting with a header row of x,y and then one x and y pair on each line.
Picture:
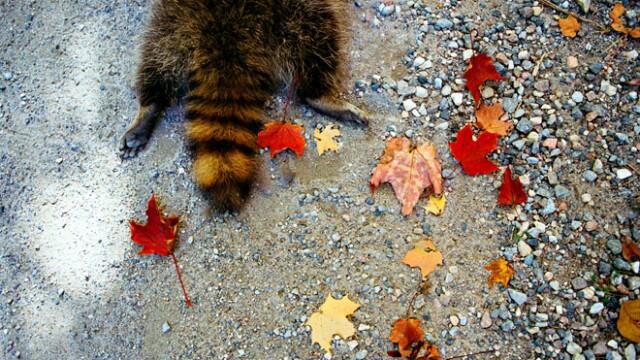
x,y
132,142
341,110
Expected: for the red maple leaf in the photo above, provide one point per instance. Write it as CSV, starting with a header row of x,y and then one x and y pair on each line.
x,y
279,136
511,192
158,236
480,69
472,154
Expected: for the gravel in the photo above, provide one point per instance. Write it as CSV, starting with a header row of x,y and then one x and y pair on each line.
x,y
312,226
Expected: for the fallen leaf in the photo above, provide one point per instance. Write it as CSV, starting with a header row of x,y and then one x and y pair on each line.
x,y
158,236
511,192
410,170
407,333
629,320
425,256
630,250
332,318
472,154
325,139
569,26
501,272
480,69
616,13
279,136
436,204
488,119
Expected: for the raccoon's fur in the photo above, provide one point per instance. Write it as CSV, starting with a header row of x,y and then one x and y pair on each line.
x,y
230,56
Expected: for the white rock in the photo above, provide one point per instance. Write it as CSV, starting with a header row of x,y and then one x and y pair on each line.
x,y
419,61
467,54
457,98
454,320
421,92
573,348
596,308
409,105
524,249
446,90
623,173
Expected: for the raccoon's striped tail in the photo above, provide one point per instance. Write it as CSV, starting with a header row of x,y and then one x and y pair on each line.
x,y
224,116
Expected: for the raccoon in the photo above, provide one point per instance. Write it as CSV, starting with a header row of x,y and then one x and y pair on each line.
x,y
227,58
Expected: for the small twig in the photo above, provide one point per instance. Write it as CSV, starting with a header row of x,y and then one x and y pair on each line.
x,y
634,168
474,32
413,299
582,18
14,132
472,354
536,69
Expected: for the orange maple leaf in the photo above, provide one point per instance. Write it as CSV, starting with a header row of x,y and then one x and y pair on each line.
x,y
488,118
629,320
158,237
616,13
501,272
569,26
410,170
425,256
279,136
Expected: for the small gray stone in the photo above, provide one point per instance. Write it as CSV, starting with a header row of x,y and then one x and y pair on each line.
x,y
561,191
457,98
7,75
409,105
524,249
573,348
517,297
485,321
579,283
444,24
630,352
615,246
524,126
590,176
362,354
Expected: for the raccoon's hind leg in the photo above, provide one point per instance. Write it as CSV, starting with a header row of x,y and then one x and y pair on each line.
x,y
156,91
339,109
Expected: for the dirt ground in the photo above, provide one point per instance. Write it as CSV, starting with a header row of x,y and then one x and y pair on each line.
x,y
72,286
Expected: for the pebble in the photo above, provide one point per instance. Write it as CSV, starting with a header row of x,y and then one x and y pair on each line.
x,y
590,176
454,320
623,173
596,308
442,24
446,90
524,126
577,97
517,297
166,328
457,98
485,321
572,62
409,105
362,354
7,76
524,249
579,283
573,348
421,92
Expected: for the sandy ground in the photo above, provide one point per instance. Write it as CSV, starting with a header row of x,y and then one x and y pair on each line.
x,y
71,285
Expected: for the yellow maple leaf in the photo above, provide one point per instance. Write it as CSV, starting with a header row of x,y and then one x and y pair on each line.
x,y
436,204
425,256
501,272
332,319
325,139
628,320
488,118
569,26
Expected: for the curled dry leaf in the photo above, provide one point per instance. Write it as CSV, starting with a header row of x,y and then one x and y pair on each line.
x,y
616,15
501,272
480,70
511,191
569,26
409,336
425,256
410,170
332,319
488,119
406,333
629,320
279,136
325,139
472,154
630,250
436,204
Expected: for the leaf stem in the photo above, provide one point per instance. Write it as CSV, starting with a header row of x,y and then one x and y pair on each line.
x,y
290,94
184,291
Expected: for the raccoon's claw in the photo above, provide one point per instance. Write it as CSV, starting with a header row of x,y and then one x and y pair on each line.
x,y
341,110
